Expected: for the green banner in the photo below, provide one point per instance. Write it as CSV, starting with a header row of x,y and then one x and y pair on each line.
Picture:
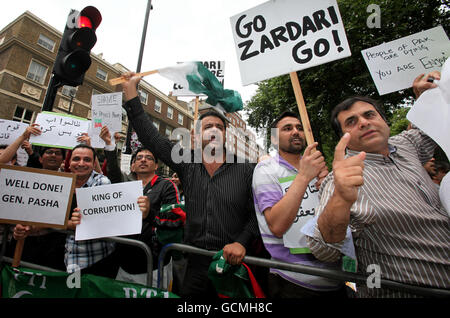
x,y
30,283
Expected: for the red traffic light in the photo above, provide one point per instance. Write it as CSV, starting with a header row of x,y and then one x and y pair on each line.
x,y
90,17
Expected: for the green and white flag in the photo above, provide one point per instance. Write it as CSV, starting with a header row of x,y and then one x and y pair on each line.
x,y
200,80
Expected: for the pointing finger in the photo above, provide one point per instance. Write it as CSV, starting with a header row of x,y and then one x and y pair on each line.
x,y
339,151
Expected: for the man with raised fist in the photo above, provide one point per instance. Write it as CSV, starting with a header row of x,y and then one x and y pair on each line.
x,y
380,190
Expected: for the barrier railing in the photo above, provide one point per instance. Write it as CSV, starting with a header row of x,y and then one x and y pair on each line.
x,y
120,240
328,273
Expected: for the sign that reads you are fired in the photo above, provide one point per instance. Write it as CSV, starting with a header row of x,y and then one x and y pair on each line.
x,y
284,36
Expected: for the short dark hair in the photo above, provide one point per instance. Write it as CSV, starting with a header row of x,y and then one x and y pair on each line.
x,y
347,104
84,146
44,149
140,149
442,166
214,114
283,115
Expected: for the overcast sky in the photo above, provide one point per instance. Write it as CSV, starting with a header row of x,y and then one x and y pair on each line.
x,y
178,31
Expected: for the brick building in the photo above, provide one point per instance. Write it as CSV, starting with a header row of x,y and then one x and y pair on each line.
x,y
28,49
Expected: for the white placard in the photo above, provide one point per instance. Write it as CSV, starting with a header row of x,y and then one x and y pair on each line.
x,y
59,130
35,195
216,67
394,65
109,210
293,238
444,192
431,111
284,36
9,131
106,111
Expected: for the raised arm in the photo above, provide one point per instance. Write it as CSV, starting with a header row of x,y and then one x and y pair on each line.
x,y
112,163
348,176
8,154
148,135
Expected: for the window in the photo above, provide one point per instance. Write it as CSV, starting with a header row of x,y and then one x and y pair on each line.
x,y
168,131
156,123
157,106
101,74
143,96
180,119
23,115
37,72
169,112
47,43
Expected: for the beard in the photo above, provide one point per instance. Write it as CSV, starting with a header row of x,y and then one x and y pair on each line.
x,y
292,148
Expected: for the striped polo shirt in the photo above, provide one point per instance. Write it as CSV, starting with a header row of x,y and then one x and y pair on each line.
x,y
398,221
268,179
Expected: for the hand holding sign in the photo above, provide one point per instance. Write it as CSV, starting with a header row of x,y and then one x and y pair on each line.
x,y
348,172
422,83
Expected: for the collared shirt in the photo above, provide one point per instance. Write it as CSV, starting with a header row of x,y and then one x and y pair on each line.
x,y
398,221
87,252
267,191
219,209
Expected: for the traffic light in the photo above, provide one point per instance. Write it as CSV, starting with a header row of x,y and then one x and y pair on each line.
x,y
73,59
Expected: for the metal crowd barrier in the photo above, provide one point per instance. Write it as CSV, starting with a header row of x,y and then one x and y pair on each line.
x,y
120,240
328,273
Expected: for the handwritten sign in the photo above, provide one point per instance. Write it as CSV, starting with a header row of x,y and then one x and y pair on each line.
x,y
59,130
306,212
106,111
216,67
283,36
9,131
394,65
431,111
109,210
35,196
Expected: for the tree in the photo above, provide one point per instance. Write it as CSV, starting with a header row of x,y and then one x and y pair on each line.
x,y
324,86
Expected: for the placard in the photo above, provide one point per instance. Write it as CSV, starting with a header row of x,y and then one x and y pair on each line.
x,y
9,131
109,210
216,67
394,65
292,238
35,196
59,130
284,36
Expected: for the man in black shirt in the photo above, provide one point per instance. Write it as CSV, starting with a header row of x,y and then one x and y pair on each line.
x,y
219,202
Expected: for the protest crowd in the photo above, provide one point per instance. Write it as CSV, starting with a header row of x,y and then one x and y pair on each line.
x,y
377,211
368,210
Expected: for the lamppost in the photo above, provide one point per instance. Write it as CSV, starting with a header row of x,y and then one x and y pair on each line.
x,y
138,68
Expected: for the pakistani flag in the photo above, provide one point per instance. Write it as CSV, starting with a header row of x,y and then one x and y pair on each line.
x,y
200,80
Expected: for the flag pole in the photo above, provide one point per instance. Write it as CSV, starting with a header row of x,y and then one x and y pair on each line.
x,y
302,108
18,252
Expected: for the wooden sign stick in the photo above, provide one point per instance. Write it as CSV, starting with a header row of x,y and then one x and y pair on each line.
x,y
196,109
302,108
18,253
118,80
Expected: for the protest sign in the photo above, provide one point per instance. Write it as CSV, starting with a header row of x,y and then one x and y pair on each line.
x,y
292,238
109,210
9,131
394,65
106,111
284,36
59,130
216,67
35,196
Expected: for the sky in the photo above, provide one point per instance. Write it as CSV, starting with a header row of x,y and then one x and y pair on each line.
x,y
178,31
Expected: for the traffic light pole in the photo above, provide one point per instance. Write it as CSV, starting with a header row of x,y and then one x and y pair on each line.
x,y
50,95
138,69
